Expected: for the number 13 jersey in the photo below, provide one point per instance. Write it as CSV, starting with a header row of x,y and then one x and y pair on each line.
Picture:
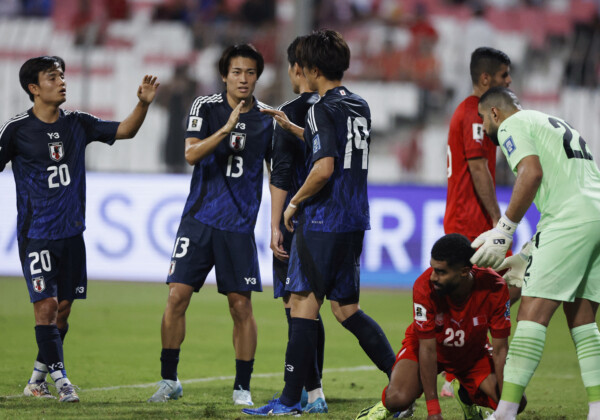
x,y
48,164
226,186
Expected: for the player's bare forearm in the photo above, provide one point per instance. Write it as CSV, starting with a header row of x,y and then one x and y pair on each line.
x,y
529,178
483,184
283,121
428,367
197,149
277,202
499,352
317,178
129,127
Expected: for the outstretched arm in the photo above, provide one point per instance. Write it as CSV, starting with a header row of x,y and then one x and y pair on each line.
x,y
146,92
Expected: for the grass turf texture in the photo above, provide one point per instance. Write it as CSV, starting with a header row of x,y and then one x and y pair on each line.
x,y
114,341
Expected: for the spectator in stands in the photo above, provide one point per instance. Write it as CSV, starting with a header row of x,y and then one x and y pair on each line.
x,y
176,97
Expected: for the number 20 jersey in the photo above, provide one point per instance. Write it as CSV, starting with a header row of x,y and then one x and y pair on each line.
x,y
570,190
226,186
48,164
339,126
461,330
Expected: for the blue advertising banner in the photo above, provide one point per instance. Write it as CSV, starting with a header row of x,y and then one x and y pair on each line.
x,y
132,220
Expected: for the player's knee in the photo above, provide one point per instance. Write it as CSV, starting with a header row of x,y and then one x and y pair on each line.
x,y
240,309
396,399
64,310
46,311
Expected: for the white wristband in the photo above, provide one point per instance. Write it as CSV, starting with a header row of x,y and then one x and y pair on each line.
x,y
292,205
506,226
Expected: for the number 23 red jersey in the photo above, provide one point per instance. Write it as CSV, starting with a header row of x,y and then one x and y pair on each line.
x,y
461,330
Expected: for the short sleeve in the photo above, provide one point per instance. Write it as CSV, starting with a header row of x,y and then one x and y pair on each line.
x,y
500,319
282,158
197,122
97,129
6,145
423,307
516,142
322,138
475,143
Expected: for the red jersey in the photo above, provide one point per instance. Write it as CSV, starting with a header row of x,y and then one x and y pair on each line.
x,y
465,213
461,330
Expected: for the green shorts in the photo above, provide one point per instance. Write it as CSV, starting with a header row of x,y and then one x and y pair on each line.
x,y
565,264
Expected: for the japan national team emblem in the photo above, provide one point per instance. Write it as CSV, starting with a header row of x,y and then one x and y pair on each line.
x,y
420,312
509,145
237,141
172,267
57,151
39,285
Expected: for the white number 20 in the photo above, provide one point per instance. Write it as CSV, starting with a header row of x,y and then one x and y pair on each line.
x,y
62,172
41,257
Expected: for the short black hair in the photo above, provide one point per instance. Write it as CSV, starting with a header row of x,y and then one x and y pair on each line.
x,y
30,70
453,248
486,60
293,50
326,50
499,97
241,50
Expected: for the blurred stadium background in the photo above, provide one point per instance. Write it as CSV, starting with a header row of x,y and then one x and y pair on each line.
x,y
409,60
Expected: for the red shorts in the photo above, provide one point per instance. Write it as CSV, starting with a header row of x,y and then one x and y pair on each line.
x,y
470,379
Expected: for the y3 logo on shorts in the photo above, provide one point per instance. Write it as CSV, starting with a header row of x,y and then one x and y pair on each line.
x,y
287,280
80,290
289,368
250,280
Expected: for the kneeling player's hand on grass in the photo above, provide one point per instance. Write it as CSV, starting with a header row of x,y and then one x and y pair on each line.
x,y
493,244
516,265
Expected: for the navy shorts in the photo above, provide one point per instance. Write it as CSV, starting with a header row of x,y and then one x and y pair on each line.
x,y
327,264
54,268
280,268
199,247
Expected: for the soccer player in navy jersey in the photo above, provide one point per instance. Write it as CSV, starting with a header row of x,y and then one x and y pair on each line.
x,y
227,141
288,172
326,248
46,146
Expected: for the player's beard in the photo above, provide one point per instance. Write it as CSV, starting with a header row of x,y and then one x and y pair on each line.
x,y
445,289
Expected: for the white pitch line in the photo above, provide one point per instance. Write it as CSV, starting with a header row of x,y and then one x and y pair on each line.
x,y
213,378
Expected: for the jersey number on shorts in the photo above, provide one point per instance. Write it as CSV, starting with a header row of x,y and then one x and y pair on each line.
x,y
235,167
454,338
358,133
43,258
59,175
567,137
181,244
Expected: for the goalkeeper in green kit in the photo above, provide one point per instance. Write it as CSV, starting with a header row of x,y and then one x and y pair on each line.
x,y
561,264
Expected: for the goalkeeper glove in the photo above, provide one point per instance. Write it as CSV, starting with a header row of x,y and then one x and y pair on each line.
x,y
516,264
493,244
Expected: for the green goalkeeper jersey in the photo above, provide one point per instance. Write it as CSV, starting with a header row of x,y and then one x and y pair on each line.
x,y
570,190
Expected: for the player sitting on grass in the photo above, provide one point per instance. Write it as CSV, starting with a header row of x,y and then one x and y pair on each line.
x,y
455,305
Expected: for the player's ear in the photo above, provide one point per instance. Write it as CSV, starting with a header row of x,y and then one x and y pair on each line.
x,y
298,70
33,88
484,79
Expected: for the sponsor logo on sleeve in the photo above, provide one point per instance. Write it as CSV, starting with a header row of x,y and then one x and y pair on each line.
x,y
316,144
509,145
194,124
57,151
478,132
420,313
237,141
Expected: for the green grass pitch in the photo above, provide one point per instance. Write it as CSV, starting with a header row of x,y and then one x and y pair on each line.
x,y
112,353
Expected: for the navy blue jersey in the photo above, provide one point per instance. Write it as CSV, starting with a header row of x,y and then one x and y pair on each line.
x,y
48,163
338,126
226,186
288,163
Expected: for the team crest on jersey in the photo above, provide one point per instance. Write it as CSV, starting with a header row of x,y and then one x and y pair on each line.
x,y
237,141
172,267
509,145
439,319
420,312
39,284
57,151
